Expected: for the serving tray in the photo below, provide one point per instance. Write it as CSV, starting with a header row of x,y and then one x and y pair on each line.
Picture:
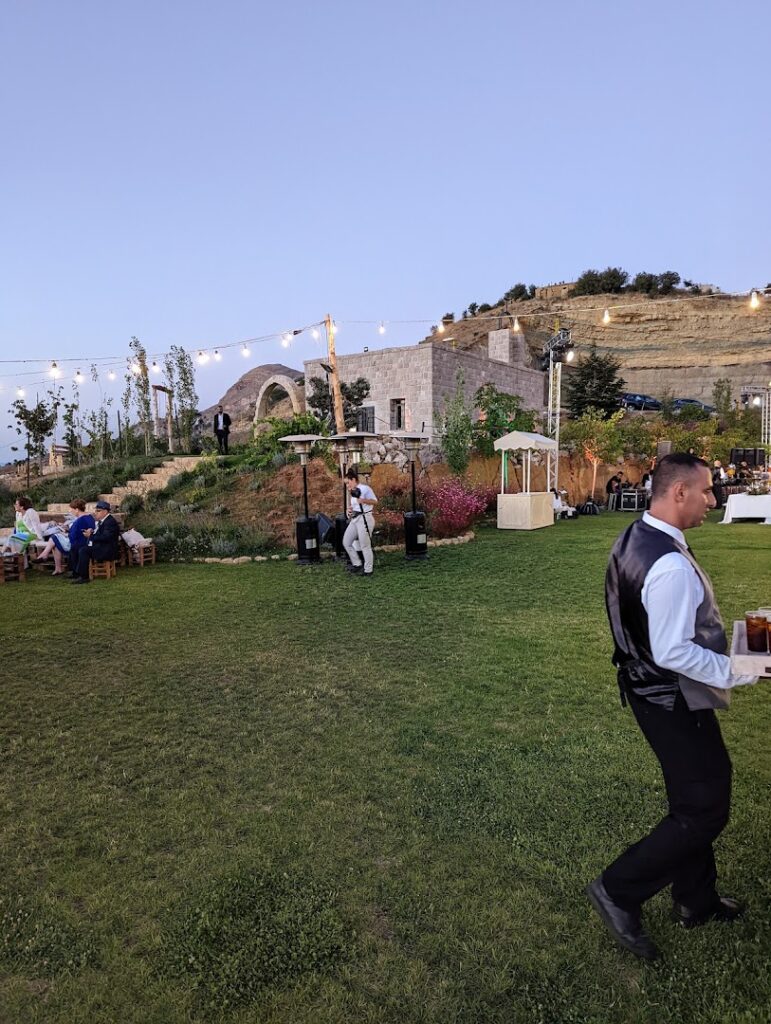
x,y
746,662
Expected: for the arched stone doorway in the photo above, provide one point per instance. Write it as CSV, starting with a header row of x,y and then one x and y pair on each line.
x,y
277,386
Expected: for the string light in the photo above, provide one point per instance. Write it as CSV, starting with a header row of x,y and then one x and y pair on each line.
x,y
245,351
217,356
111,375
315,334
516,324
440,328
20,392
203,358
754,300
757,400
155,368
55,371
79,378
135,368
606,317
570,355
381,328
286,340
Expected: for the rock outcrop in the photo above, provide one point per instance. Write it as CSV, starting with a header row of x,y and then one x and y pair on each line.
x,y
681,343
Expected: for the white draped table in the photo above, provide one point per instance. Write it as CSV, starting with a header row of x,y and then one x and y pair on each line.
x,y
748,506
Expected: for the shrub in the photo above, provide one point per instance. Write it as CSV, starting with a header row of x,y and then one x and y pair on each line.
x,y
454,506
132,504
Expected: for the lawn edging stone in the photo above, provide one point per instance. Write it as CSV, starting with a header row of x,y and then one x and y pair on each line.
x,y
464,538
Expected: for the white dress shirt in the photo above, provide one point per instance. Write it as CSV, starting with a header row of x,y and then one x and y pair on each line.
x,y
671,594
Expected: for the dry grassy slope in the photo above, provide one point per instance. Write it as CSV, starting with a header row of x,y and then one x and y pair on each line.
x,y
683,345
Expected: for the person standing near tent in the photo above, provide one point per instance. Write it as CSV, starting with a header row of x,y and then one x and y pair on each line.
x,y
359,531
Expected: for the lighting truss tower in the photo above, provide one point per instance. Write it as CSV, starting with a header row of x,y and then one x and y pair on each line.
x,y
760,396
558,348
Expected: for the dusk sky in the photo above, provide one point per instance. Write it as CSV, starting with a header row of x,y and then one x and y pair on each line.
x,y
197,173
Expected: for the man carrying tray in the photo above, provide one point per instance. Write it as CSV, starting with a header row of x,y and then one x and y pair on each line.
x,y
670,652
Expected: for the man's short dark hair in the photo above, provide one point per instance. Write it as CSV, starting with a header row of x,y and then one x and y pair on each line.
x,y
678,466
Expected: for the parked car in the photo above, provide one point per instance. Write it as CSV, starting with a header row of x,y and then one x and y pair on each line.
x,y
629,400
681,404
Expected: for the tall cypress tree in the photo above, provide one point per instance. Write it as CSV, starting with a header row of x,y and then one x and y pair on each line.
x,y
596,383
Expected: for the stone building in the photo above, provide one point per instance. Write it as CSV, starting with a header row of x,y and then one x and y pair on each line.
x,y
408,384
555,291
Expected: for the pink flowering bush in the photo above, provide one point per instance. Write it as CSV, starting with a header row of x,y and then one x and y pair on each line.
x,y
453,506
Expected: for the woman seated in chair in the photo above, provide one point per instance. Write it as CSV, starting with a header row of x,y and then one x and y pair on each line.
x,y
26,529
78,539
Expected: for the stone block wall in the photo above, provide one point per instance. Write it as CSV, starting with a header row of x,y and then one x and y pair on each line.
x,y
423,374
477,370
393,373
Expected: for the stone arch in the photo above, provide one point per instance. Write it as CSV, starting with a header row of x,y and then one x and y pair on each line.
x,y
296,395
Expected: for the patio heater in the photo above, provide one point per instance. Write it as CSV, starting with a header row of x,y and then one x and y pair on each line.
x,y
415,538
307,526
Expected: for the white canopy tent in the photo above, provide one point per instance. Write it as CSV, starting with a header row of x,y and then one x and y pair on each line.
x,y
521,440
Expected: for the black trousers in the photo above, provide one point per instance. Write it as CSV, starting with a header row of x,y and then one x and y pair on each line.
x,y
697,774
222,441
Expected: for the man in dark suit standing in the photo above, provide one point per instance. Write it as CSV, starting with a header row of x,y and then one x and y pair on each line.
x,y
222,429
674,672
102,543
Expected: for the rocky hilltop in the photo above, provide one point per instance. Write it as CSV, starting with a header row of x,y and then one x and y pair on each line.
x,y
680,343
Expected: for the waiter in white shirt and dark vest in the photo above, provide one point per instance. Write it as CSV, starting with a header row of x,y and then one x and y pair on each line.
x,y
673,671
222,430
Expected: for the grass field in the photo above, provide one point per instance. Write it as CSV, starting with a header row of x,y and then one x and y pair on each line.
x,y
271,794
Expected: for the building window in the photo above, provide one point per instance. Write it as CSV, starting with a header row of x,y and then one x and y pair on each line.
x,y
397,414
365,419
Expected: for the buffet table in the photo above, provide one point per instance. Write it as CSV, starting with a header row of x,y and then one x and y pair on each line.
x,y
748,506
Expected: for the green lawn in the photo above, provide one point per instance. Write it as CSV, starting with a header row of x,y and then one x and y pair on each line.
x,y
313,798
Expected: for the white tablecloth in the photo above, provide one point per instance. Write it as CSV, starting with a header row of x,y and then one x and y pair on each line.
x,y
748,506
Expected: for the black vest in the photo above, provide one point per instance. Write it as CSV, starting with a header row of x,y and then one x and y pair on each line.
x,y
633,554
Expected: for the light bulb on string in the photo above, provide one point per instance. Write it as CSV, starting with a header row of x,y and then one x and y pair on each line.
x,y
315,334
155,368
754,300
245,351
217,356
79,378
440,328
203,358
135,368
606,317
111,375
286,339
381,328
516,325
55,371
757,400
570,355
20,392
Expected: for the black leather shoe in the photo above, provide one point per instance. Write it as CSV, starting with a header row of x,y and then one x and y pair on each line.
x,y
79,580
724,909
356,569
623,925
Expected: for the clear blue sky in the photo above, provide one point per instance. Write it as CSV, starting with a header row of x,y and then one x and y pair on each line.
x,y
195,172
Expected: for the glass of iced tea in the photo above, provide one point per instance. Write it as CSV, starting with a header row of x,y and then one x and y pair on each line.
x,y
757,632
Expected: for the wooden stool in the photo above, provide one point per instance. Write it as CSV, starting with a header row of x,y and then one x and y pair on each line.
x,y
101,570
143,554
12,569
